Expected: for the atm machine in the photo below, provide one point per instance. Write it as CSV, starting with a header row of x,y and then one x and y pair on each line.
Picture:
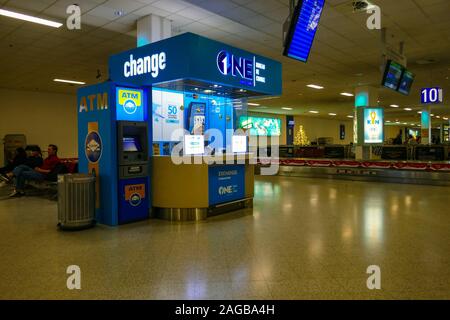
x,y
132,151
113,144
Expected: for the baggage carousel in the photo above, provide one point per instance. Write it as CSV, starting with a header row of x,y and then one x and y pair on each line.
x,y
410,172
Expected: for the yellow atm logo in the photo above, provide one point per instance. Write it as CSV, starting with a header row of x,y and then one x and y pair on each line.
x,y
130,100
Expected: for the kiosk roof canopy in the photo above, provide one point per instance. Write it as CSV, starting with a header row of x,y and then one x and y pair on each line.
x,y
194,61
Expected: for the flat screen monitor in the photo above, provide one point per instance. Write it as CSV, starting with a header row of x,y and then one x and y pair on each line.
x,y
406,82
392,75
131,144
302,29
194,144
239,144
261,126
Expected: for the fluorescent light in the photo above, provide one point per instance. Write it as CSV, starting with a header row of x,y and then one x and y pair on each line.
x,y
388,121
350,117
347,94
285,108
407,109
313,111
253,104
394,106
419,112
314,86
332,114
25,17
69,81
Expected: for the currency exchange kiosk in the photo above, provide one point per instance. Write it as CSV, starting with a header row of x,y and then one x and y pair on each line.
x,y
189,95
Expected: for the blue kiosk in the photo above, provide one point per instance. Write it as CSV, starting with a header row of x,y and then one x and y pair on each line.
x,y
164,99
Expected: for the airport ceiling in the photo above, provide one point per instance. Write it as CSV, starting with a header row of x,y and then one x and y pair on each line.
x,y
345,54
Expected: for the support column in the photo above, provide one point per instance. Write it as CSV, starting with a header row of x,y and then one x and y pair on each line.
x,y
426,126
364,97
152,28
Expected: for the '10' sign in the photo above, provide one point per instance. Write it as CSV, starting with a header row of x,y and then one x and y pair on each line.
x,y
431,95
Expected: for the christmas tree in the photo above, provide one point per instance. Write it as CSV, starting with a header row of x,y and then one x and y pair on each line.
x,y
300,137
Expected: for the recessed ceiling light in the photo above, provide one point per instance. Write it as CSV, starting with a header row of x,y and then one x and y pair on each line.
x,y
438,117
314,86
208,91
28,18
350,117
388,121
347,94
313,111
404,123
69,81
432,114
407,109
394,106
332,114
286,108
419,112
253,104
445,118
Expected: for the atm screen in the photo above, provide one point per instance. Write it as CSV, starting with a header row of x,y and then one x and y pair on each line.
x,y
131,144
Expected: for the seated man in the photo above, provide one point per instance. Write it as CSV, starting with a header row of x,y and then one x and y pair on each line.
x,y
23,172
33,161
20,157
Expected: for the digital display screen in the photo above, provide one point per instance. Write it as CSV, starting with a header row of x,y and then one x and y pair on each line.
x,y
194,144
373,125
239,144
129,104
392,75
406,82
131,144
261,126
303,29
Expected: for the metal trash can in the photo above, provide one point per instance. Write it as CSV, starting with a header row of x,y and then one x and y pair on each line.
x,y
76,201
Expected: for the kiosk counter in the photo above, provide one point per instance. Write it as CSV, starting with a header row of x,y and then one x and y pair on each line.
x,y
197,189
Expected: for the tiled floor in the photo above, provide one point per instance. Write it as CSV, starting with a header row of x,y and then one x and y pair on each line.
x,y
304,239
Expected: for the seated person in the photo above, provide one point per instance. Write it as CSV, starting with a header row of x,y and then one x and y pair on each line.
x,y
33,161
23,172
20,157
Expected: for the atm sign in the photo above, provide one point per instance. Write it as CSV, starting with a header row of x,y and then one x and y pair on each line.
x,y
129,104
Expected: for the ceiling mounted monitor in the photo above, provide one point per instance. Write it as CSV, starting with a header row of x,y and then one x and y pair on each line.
x,y
392,75
406,82
302,29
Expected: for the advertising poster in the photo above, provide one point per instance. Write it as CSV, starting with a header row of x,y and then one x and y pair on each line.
x,y
168,114
194,144
226,183
261,126
373,125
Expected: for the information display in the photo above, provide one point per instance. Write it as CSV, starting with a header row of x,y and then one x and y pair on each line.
x,y
226,183
392,75
406,82
194,144
261,126
239,144
303,29
373,125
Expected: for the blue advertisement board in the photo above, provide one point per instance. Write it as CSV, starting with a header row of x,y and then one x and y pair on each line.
x,y
190,56
226,183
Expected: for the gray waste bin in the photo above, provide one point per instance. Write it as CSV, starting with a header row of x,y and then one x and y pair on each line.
x,y
76,201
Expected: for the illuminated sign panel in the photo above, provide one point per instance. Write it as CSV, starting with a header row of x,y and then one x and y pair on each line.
x,y
373,125
129,105
261,126
431,95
